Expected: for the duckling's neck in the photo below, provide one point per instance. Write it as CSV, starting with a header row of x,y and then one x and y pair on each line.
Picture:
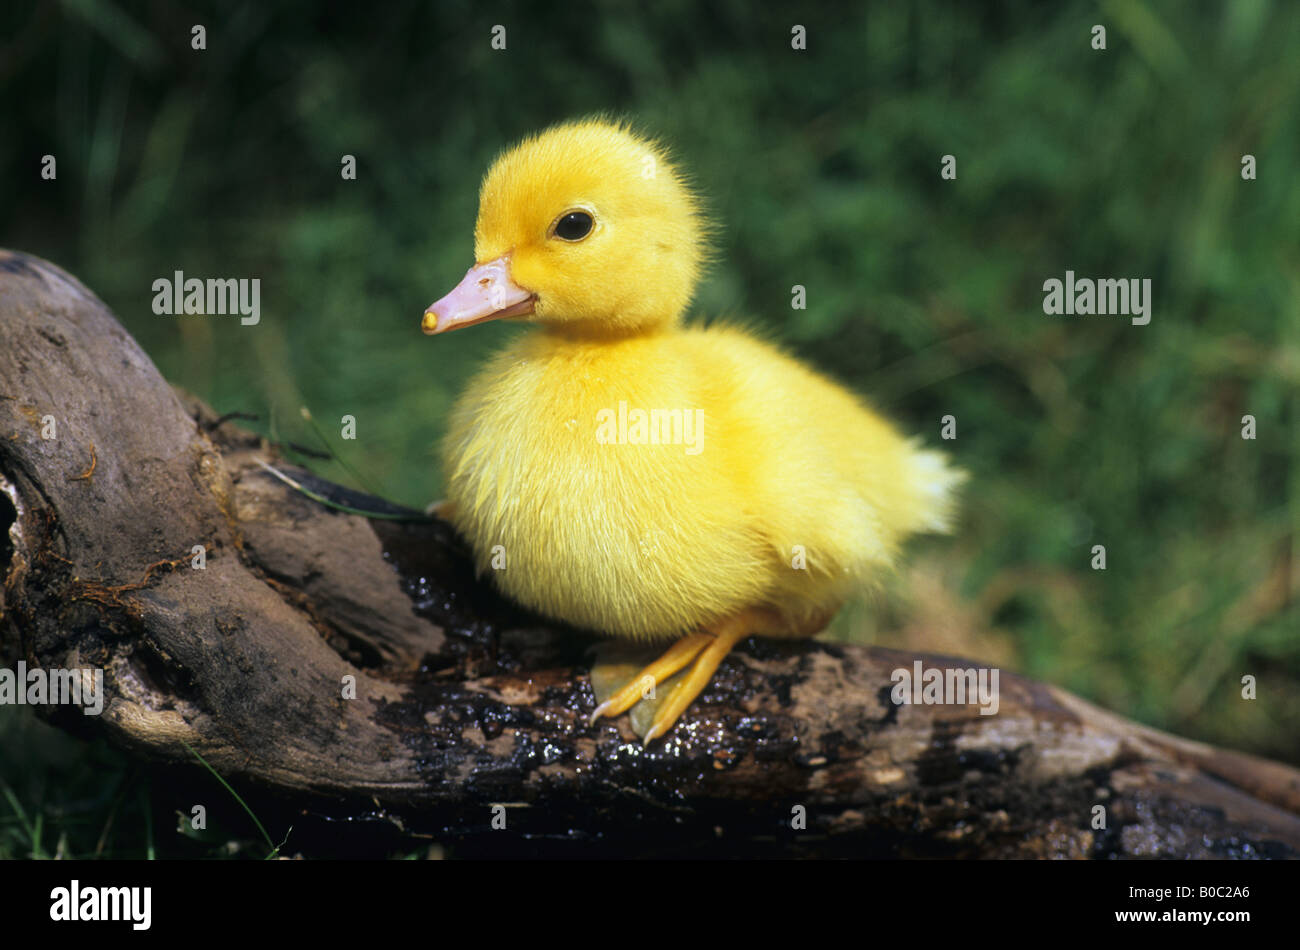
x,y
588,332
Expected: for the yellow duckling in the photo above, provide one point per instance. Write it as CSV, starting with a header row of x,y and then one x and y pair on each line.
x,y
642,478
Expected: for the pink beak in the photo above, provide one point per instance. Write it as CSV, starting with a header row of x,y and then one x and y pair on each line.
x,y
485,293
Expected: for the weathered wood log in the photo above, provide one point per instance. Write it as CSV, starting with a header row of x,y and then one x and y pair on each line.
x,y
463,700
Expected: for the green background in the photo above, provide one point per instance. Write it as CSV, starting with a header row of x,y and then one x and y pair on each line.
x,y
822,169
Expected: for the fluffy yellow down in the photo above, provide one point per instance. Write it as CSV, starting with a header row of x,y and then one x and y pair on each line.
x,y
795,494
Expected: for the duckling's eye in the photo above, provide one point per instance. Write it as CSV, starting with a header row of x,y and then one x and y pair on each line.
x,y
573,226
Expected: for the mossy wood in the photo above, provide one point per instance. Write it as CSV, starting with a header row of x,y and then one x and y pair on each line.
x,y
462,700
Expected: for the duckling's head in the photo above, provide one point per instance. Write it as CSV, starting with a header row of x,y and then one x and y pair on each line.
x,y
586,228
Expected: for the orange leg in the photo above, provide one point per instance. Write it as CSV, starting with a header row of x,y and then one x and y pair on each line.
x,y
681,653
707,650
729,633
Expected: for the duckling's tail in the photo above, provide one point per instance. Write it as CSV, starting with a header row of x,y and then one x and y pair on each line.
x,y
935,483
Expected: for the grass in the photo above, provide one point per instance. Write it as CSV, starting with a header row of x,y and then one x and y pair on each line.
x,y
73,799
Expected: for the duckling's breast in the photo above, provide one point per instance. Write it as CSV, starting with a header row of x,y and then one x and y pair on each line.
x,y
587,478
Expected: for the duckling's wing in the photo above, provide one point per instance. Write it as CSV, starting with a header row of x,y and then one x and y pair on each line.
x,y
830,475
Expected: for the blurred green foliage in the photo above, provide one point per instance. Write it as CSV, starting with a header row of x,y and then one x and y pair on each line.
x,y
822,167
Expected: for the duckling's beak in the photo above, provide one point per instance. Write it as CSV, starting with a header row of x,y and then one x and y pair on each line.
x,y
486,293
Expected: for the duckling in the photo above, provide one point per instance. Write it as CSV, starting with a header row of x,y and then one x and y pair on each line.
x,y
645,478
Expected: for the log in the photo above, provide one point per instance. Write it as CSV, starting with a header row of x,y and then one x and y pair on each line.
x,y
463,700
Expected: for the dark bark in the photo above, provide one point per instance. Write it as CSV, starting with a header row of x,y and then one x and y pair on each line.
x,y
464,700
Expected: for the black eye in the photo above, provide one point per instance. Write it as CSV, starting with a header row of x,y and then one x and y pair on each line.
x,y
573,226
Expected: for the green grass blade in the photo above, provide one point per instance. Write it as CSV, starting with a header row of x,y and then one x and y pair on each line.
x,y
242,804
346,509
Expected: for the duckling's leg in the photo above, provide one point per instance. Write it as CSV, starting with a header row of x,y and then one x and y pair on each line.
x,y
707,649
723,636
681,653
